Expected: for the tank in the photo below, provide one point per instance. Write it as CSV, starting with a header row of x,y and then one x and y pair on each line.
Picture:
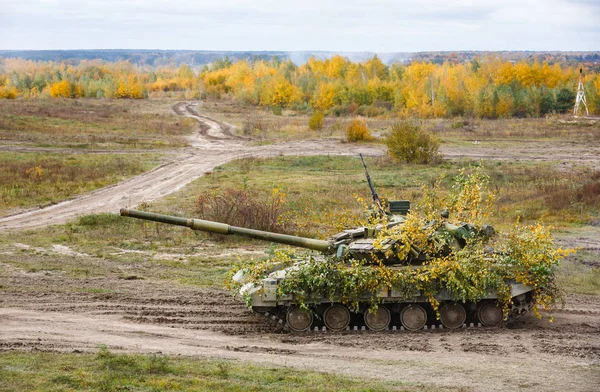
x,y
394,308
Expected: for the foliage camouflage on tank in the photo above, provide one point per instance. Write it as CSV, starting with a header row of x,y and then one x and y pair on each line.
x,y
404,269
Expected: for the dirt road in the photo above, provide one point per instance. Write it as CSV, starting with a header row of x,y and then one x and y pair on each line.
x,y
56,313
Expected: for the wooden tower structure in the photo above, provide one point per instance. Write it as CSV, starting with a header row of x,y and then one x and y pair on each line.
x,y
580,96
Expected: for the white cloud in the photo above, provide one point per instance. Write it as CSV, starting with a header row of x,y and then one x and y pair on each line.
x,y
345,25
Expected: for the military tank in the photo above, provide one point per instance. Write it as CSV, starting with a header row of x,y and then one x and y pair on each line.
x,y
395,309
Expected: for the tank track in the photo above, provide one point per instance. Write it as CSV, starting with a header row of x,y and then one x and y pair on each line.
x,y
473,318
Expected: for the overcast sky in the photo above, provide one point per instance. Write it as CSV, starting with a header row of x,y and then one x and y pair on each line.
x,y
332,25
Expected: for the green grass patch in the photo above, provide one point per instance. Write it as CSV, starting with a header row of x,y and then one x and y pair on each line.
x,y
107,371
38,179
580,273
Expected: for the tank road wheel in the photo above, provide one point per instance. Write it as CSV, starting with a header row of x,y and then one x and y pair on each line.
x,y
413,317
378,320
453,315
336,317
299,319
490,314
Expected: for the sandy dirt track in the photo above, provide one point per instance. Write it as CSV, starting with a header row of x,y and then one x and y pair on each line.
x,y
54,312
153,316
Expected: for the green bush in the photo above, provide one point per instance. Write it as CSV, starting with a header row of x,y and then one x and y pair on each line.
x,y
409,143
277,110
565,100
315,122
357,131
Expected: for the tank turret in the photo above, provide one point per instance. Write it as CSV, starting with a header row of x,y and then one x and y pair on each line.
x,y
357,243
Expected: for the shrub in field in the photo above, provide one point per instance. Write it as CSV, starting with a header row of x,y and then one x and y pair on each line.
x,y
357,131
315,122
8,93
243,207
584,193
409,143
61,89
254,125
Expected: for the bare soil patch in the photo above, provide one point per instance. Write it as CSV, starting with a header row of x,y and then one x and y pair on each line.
x,y
53,312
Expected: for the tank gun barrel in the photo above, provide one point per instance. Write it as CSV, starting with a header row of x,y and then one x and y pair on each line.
x,y
222,228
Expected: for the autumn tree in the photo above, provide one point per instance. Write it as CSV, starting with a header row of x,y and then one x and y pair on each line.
x,y
61,89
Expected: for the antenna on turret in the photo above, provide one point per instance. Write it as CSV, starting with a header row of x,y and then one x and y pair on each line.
x,y
376,199
580,95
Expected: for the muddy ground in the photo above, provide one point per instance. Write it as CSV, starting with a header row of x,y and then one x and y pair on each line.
x,y
53,311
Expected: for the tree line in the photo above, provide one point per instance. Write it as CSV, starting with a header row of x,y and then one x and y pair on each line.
x,y
486,88
93,79
489,87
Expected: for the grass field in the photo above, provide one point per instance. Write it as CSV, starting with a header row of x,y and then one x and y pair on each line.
x,y
108,371
317,208
39,179
93,124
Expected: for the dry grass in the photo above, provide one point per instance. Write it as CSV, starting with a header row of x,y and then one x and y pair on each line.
x,y
552,128
545,192
97,124
244,207
266,127
36,179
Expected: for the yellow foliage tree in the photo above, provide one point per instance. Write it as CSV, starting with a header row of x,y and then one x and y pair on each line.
x,y
284,94
61,89
8,93
324,96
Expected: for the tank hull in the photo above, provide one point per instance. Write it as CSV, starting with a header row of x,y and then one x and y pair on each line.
x,y
395,312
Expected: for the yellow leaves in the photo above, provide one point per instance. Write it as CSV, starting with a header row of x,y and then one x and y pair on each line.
x,y
284,94
8,93
375,68
335,67
505,105
185,72
597,83
61,89
419,71
35,172
470,200
240,75
324,96
417,89
129,88
565,252
357,131
315,122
